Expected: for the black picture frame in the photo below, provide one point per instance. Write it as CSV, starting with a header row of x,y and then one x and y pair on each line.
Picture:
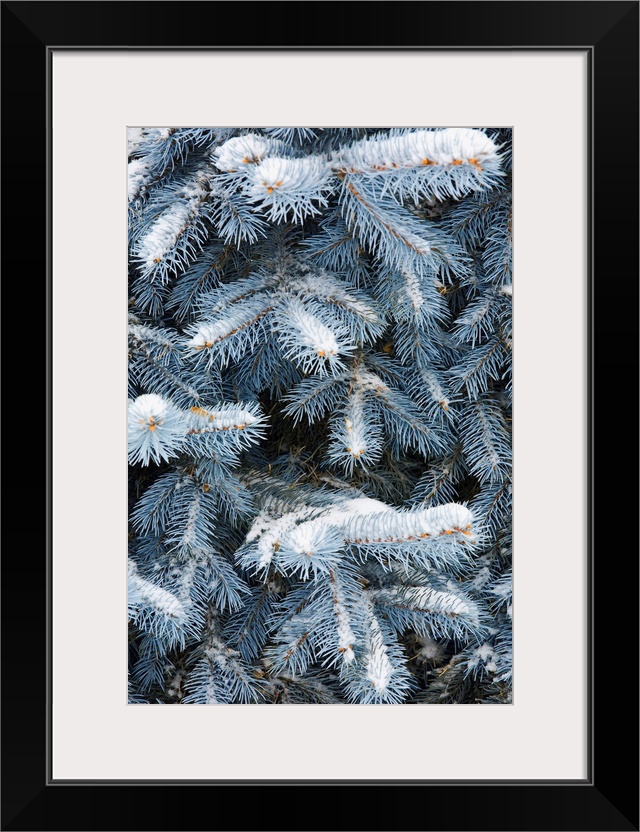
x,y
608,798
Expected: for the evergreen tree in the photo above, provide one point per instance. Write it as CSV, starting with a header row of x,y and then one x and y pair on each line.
x,y
319,415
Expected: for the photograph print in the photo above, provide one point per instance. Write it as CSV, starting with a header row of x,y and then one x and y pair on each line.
x,y
319,415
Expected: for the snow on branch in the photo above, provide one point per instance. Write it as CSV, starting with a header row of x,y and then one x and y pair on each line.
x,y
346,637
309,342
286,187
224,426
356,439
227,336
164,233
158,429
154,609
380,673
314,539
144,592
241,151
449,162
366,521
352,308
139,175
289,189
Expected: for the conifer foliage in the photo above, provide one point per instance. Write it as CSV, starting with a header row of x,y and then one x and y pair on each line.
x,y
319,415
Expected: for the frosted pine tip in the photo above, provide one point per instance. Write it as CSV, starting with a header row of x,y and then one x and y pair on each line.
x,y
147,413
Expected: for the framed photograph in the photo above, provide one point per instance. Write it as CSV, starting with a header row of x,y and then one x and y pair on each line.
x,y
340,245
